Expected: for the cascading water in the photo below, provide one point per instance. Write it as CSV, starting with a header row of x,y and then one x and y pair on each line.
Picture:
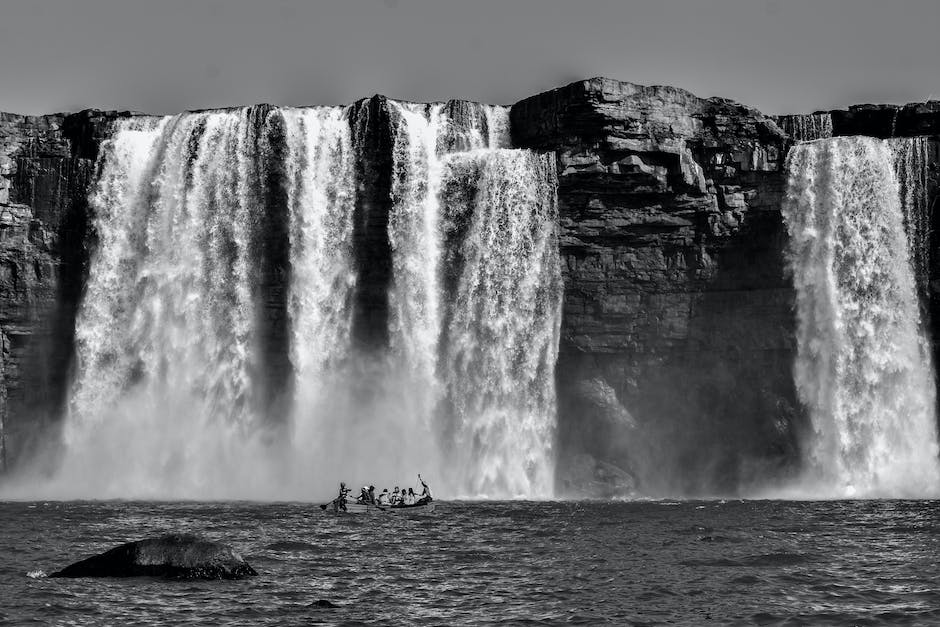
x,y
497,124
863,366
415,240
199,215
807,127
166,399
423,135
504,317
165,336
321,192
501,396
912,160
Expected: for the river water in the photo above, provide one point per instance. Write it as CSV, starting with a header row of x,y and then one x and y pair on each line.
x,y
543,563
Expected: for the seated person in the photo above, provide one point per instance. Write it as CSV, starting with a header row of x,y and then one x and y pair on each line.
x,y
384,498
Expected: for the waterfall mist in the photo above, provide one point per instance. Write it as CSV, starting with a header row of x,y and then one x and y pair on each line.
x,y
863,367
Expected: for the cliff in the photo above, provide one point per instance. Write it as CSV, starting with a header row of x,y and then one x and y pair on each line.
x,y
677,346
45,171
677,306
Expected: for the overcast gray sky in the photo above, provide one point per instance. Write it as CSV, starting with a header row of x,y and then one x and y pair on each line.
x,y
169,55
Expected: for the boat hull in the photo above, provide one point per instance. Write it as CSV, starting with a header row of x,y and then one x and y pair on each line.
x,y
362,508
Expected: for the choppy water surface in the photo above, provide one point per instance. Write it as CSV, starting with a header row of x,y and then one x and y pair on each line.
x,y
763,562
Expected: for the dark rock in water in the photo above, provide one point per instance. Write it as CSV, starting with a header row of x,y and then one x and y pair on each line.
x,y
175,556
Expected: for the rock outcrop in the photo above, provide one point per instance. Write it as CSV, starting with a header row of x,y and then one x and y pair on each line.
x,y
677,341
174,556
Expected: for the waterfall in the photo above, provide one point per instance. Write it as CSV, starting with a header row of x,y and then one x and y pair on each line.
x,y
863,367
215,356
912,160
169,335
166,341
807,127
505,314
497,124
320,182
422,136
415,240
476,294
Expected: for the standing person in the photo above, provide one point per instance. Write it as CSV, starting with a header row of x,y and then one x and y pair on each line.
x,y
426,492
371,495
339,503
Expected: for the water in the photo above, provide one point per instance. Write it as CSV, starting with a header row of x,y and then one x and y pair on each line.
x,y
620,563
476,296
912,163
321,194
164,400
423,135
501,341
807,127
215,357
863,367
414,235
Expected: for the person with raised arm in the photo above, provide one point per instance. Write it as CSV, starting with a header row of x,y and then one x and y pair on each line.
x,y
425,493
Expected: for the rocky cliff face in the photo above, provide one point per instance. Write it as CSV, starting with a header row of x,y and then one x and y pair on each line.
x,y
677,308
677,344
45,170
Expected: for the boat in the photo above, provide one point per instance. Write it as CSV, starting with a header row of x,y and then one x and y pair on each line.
x,y
353,507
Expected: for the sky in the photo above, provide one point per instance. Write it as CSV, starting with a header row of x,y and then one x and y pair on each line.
x,y
165,56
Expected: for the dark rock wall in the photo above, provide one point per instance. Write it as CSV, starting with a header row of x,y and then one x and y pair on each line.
x,y
372,125
44,180
676,296
674,373
884,121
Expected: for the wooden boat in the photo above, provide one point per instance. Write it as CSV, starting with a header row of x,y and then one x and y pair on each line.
x,y
352,507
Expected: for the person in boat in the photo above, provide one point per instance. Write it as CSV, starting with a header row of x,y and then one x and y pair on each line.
x,y
410,497
371,495
363,497
425,493
395,499
340,501
383,498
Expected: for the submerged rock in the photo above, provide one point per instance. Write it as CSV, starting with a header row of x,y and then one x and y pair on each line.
x,y
175,556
